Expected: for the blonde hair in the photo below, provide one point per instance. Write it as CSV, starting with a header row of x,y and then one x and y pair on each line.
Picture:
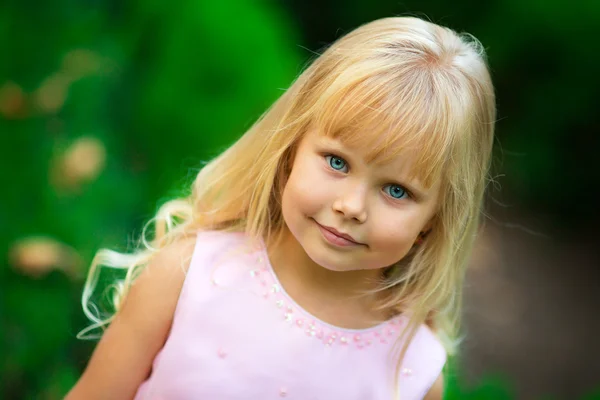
x,y
395,84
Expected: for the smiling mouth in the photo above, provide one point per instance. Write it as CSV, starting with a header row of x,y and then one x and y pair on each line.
x,y
337,238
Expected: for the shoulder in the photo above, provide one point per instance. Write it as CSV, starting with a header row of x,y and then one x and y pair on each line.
x,y
425,359
171,261
429,346
149,305
215,246
434,353
124,355
436,392
169,266
164,274
219,239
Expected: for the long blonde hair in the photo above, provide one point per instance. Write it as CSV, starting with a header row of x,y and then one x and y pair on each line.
x,y
395,84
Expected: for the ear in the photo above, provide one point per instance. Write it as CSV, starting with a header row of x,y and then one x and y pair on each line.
x,y
428,226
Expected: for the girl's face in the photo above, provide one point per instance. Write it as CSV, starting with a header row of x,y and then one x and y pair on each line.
x,y
348,214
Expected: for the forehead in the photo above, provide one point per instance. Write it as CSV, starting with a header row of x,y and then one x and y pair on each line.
x,y
390,115
393,160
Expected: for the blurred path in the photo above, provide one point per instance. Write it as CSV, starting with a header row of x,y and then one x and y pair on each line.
x,y
532,311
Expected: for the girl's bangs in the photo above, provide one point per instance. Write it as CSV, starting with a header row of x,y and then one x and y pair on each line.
x,y
407,120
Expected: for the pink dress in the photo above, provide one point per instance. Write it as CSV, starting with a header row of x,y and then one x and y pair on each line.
x,y
237,334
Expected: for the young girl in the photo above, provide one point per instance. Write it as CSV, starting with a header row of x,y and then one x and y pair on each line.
x,y
322,255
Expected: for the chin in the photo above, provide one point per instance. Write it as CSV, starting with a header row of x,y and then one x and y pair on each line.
x,y
321,257
330,267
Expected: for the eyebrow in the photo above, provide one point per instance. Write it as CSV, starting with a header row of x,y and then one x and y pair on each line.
x,y
418,192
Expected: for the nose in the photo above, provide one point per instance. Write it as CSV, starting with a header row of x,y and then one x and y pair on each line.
x,y
352,203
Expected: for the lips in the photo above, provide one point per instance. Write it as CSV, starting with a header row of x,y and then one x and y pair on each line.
x,y
339,234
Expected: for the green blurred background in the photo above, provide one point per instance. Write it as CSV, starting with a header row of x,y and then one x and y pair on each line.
x,y
108,108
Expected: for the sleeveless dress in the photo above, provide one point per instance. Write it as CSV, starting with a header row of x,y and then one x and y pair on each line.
x,y
237,334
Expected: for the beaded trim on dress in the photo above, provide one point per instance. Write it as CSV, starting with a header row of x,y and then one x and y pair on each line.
x,y
292,313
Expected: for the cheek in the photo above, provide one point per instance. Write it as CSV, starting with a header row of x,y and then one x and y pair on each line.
x,y
301,194
394,235
391,235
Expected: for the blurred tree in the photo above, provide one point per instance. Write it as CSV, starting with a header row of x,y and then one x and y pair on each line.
x,y
104,107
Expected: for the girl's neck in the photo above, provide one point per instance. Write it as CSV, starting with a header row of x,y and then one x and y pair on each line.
x,y
310,283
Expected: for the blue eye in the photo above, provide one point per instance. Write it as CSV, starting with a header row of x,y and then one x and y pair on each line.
x,y
336,162
395,191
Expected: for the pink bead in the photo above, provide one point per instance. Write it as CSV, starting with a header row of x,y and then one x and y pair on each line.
x,y
357,338
343,340
299,322
331,338
320,335
283,392
221,353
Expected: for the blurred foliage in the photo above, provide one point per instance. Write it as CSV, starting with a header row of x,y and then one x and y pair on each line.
x,y
491,388
108,107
